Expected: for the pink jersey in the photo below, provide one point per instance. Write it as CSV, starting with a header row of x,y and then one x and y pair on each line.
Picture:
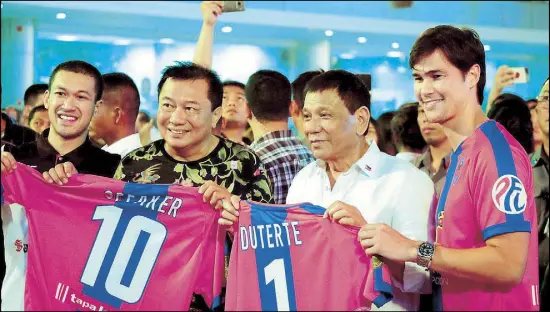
x,y
488,192
102,244
288,257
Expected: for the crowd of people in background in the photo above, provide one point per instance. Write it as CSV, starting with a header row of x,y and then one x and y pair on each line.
x,y
203,126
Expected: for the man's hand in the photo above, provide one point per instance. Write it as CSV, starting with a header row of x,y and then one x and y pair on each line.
x,y
210,11
382,240
60,174
230,213
345,214
8,163
214,194
503,78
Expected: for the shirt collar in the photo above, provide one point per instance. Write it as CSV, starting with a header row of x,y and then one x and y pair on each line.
x,y
279,134
426,160
76,156
540,158
369,163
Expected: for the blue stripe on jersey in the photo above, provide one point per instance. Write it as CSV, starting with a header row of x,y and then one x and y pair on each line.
x,y
505,165
385,289
265,256
437,299
311,208
131,207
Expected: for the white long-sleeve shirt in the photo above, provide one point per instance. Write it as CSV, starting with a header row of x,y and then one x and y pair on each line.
x,y
385,189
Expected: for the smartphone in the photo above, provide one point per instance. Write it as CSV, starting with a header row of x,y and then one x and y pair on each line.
x,y
521,74
233,6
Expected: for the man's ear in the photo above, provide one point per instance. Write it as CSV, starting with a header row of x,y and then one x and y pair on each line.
x,y
46,98
362,114
472,77
216,115
118,114
294,109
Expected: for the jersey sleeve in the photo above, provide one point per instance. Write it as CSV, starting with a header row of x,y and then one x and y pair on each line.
x,y
500,181
14,184
378,289
212,271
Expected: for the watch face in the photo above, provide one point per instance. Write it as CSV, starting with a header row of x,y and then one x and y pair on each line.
x,y
426,250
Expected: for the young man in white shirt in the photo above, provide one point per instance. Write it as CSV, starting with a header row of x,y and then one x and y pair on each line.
x,y
356,182
115,118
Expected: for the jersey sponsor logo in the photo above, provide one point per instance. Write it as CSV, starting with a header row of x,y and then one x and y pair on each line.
x,y
19,246
509,195
457,174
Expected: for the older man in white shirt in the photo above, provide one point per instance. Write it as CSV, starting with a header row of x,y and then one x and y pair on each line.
x,y
358,183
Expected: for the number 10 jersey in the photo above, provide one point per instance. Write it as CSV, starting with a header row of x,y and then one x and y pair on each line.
x,y
99,244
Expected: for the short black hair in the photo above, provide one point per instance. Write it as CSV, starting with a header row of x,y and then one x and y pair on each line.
x,y
115,81
384,134
405,129
192,71
234,83
461,46
512,112
33,91
268,95
353,92
299,85
80,67
39,108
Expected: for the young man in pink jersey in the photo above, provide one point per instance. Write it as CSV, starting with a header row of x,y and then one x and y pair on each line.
x,y
485,256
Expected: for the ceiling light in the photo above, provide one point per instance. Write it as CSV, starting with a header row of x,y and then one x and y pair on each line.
x,y
67,38
361,39
122,42
394,54
329,33
60,15
347,56
487,47
395,45
166,40
227,29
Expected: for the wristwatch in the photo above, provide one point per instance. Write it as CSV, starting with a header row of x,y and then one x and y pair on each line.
x,y
425,254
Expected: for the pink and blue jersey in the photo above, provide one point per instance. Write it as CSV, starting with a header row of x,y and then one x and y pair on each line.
x,y
288,257
488,192
102,244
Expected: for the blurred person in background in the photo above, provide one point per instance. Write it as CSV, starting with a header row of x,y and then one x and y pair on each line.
x,y
38,119
34,96
235,111
512,112
436,159
406,132
145,126
297,103
12,134
269,95
371,133
504,78
13,113
384,134
115,117
539,160
537,135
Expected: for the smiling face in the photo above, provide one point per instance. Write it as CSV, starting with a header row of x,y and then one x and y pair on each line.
x,y
185,117
329,126
441,88
70,103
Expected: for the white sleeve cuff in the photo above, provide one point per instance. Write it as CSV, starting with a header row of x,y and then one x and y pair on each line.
x,y
415,279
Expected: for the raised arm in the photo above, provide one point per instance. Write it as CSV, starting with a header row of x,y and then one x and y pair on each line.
x,y
210,12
